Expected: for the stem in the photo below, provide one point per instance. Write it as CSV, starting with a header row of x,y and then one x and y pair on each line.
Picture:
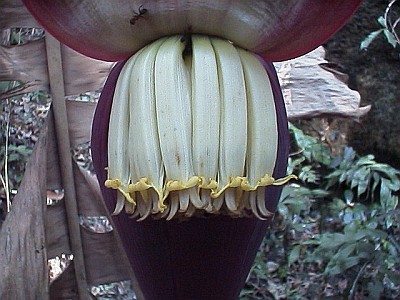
x,y
353,288
5,180
388,22
386,15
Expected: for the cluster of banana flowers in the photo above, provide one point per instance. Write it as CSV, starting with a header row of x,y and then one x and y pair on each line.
x,y
191,123
192,127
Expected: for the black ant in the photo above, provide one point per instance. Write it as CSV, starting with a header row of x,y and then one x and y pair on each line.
x,y
138,15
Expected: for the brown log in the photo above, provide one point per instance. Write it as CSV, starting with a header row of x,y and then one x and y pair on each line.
x,y
23,257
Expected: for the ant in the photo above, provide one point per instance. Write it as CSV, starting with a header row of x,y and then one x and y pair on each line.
x,y
138,15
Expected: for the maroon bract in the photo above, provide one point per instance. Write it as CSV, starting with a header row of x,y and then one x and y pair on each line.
x,y
277,30
202,258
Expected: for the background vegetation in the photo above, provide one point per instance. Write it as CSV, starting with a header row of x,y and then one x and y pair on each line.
x,y
336,232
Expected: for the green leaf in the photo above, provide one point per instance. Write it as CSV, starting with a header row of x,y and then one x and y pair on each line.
x,y
337,205
308,175
283,211
384,193
392,202
348,155
393,276
375,184
390,38
362,186
382,21
22,149
13,157
365,249
332,240
348,196
375,289
294,254
311,147
369,39
366,160
311,242
336,267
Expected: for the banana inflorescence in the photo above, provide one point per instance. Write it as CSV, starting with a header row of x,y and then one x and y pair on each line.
x,y
192,128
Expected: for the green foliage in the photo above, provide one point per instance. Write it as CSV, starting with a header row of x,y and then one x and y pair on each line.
x,y
257,279
357,194
18,115
364,178
16,158
295,201
310,147
388,29
19,36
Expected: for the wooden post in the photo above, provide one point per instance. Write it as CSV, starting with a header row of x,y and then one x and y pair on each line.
x,y
56,77
23,257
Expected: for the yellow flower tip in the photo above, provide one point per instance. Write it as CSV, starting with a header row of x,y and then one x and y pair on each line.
x,y
245,186
140,185
161,206
266,180
284,180
112,183
242,184
178,185
193,181
215,193
236,181
212,184
173,185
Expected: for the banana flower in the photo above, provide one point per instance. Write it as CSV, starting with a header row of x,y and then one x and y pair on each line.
x,y
190,139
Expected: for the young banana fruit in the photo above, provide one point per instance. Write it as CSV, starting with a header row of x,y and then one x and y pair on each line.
x,y
192,130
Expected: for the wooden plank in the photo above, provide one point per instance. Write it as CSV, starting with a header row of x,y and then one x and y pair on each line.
x,y
80,115
14,14
23,257
82,73
57,239
28,63
53,50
